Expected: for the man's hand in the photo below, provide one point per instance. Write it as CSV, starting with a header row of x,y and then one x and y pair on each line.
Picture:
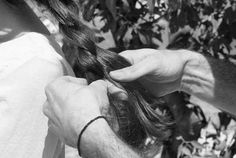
x,y
71,104
166,71
160,71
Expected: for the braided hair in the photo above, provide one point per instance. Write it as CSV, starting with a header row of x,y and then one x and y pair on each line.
x,y
137,116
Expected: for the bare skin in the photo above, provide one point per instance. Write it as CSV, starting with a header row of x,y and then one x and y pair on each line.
x,y
98,140
165,71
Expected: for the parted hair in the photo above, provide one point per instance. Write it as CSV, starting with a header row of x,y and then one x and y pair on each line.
x,y
138,117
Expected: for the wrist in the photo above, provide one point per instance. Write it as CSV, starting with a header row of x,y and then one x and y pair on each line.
x,y
74,127
193,69
93,136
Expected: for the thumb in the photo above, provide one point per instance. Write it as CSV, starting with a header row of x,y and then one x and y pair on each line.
x,y
99,85
106,86
133,72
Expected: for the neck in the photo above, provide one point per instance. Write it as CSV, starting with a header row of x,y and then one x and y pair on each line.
x,y
17,20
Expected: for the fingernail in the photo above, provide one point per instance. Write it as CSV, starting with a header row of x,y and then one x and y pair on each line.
x,y
115,74
123,96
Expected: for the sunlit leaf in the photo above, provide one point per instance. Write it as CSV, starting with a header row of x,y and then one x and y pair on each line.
x,y
142,38
151,5
197,145
111,5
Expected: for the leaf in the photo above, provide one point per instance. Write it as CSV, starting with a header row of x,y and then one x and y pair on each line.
x,y
197,145
121,32
180,151
146,25
142,38
151,5
174,4
111,5
89,9
126,5
128,35
183,150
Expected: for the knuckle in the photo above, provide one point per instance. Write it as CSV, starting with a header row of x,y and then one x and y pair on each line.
x,y
63,79
66,78
125,52
52,87
98,84
81,81
73,80
132,70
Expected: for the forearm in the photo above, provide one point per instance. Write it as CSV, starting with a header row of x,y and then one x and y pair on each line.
x,y
100,141
210,80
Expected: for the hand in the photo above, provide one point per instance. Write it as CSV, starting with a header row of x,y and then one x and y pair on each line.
x,y
160,71
71,104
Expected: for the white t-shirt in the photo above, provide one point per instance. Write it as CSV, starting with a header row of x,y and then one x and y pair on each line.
x,y
27,64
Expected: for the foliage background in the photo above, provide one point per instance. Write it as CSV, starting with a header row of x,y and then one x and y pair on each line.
x,y
205,26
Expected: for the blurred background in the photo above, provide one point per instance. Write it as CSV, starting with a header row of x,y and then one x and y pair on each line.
x,y
204,26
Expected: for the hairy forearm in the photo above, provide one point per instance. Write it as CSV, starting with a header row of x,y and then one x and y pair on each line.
x,y
100,141
210,80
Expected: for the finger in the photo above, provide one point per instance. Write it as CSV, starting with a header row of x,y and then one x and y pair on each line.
x,y
134,56
135,71
50,123
107,86
48,111
117,91
48,95
55,130
52,127
100,89
161,89
100,85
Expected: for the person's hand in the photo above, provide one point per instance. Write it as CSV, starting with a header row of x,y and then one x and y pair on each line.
x,y
160,71
71,104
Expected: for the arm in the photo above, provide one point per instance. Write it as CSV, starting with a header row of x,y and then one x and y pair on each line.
x,y
71,104
210,80
100,141
166,71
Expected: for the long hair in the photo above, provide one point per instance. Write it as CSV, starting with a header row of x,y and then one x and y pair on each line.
x,y
137,117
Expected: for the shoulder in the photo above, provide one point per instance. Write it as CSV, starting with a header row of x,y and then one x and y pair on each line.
x,y
33,43
40,48
46,48
45,44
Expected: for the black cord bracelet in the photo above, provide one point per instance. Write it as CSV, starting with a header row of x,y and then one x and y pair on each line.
x,y
85,127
